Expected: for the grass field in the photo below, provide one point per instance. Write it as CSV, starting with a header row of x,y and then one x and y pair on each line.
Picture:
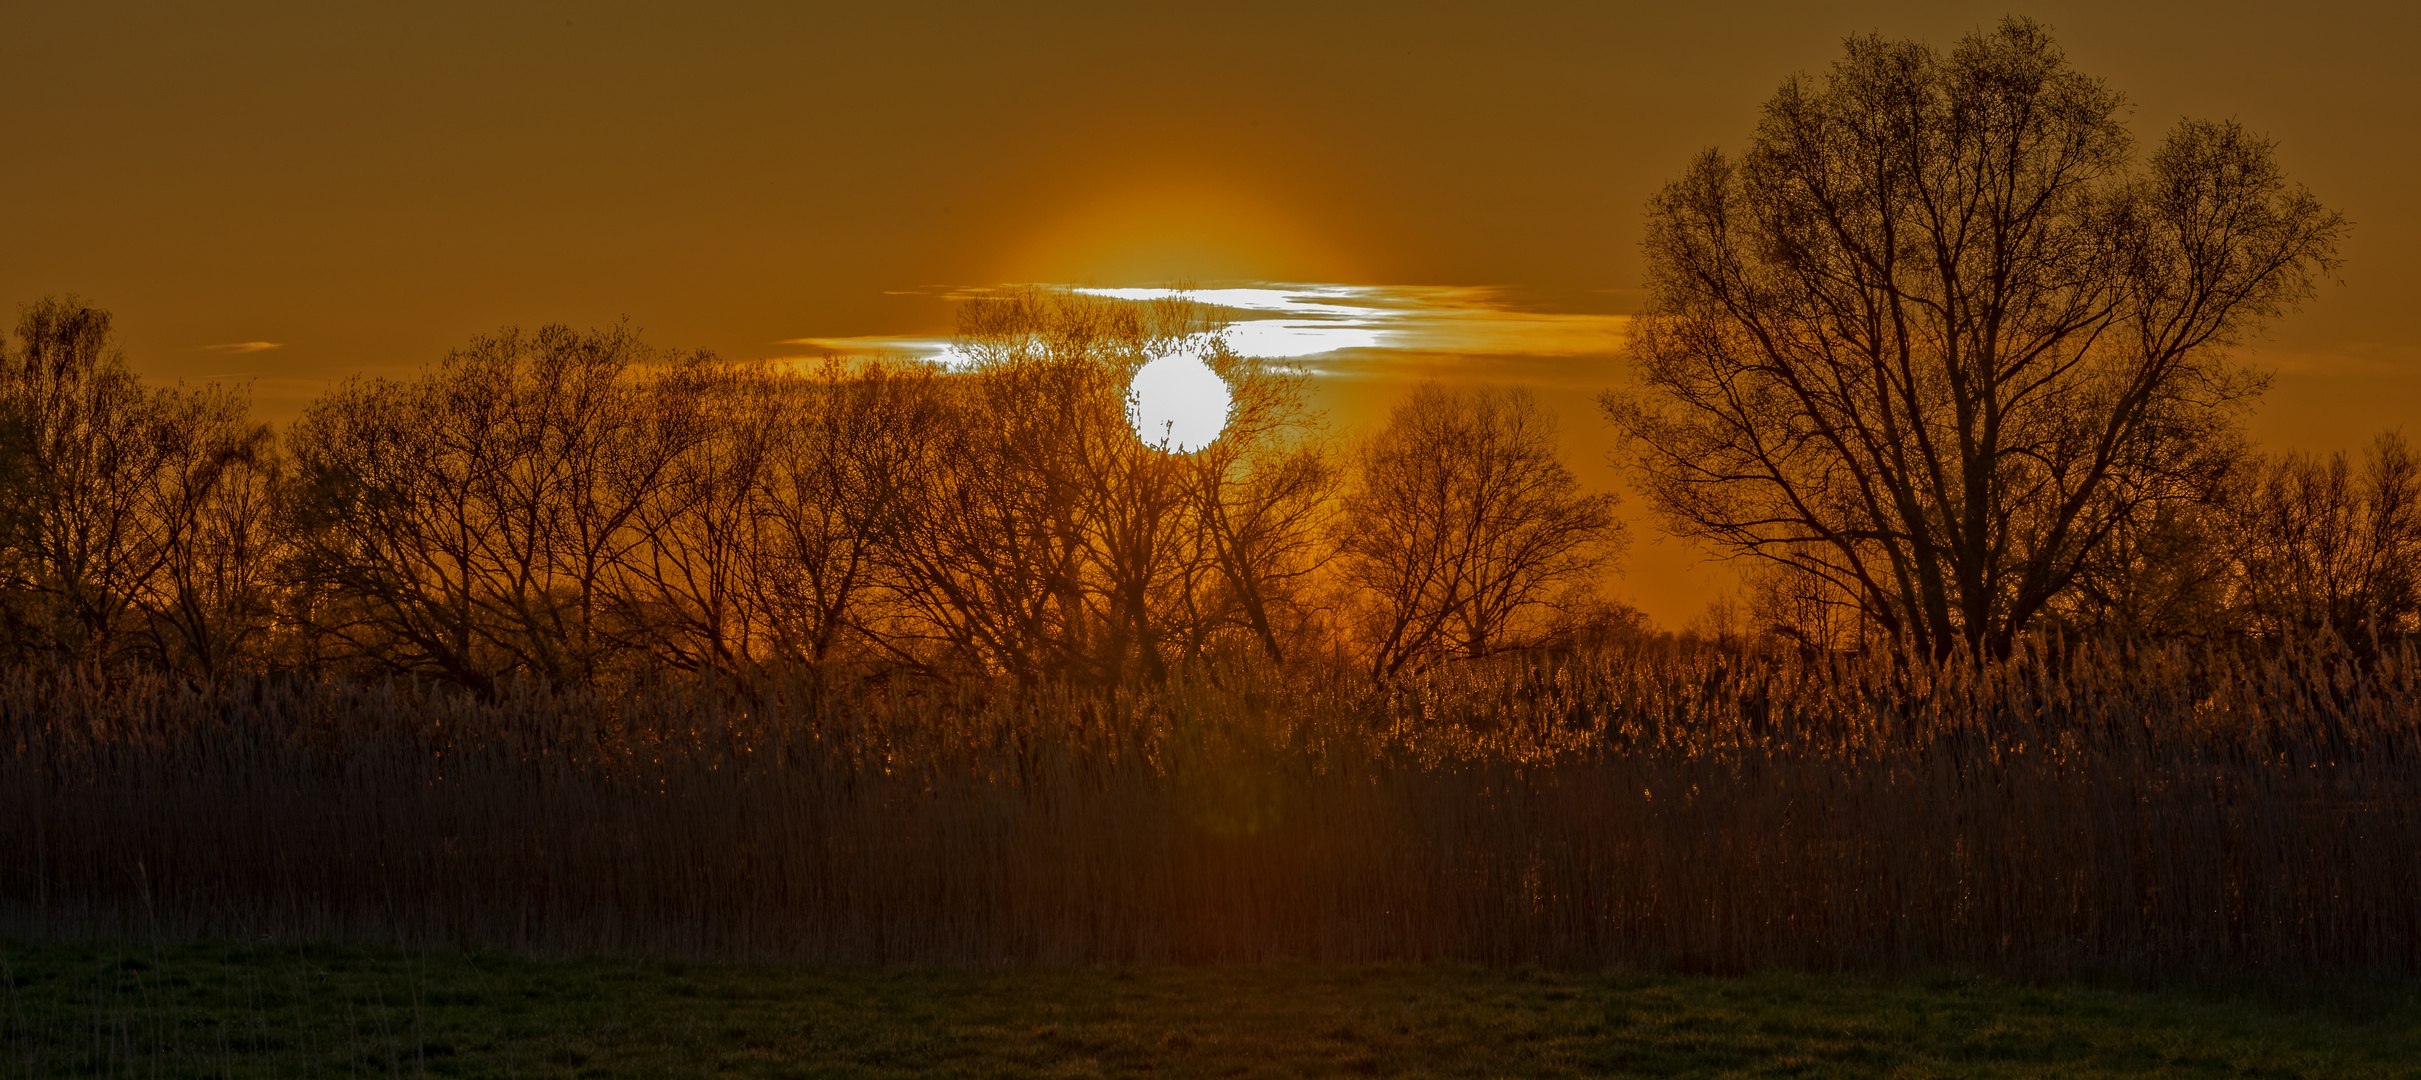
x,y
236,1011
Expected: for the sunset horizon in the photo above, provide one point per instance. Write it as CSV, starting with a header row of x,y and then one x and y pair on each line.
x,y
310,225
1868,538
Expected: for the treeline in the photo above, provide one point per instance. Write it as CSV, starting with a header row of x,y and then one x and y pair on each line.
x,y
2268,548
585,508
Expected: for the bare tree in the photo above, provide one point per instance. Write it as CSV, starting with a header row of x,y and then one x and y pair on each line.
x,y
1043,538
213,605
834,502
107,488
1258,501
2327,547
1464,524
989,567
1807,611
1932,341
2168,571
472,523
1263,513
1046,538
683,591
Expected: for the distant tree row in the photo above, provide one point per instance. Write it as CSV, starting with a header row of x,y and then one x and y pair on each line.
x,y
583,507
2285,547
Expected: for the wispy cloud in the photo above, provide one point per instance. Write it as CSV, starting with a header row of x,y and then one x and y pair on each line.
x,y
1302,321
2352,358
921,347
1341,329
239,348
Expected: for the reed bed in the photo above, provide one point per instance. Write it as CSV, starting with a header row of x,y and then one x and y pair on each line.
x,y
2089,812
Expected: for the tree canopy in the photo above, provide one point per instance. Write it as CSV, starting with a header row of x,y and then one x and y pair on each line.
x,y
1936,336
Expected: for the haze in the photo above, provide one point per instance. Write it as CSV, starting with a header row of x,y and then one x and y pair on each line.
x,y
289,194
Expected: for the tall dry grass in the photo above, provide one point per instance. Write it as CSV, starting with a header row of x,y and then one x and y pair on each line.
x,y
2133,813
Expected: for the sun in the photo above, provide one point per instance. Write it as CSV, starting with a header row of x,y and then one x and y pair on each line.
x,y
1177,404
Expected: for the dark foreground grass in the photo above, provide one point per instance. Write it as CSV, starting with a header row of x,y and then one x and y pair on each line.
x,y
236,1011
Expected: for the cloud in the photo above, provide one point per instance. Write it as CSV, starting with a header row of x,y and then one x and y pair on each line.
x,y
2351,358
239,348
1346,329
921,347
1299,320
1581,374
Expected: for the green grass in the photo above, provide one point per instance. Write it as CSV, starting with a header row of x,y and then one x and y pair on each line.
x,y
221,1010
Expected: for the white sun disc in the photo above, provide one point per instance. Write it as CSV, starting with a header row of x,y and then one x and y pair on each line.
x,y
1177,403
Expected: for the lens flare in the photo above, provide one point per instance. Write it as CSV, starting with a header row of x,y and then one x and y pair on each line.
x,y
1177,404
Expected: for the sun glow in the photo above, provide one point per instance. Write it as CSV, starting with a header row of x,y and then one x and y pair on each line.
x,y
1177,403
1168,222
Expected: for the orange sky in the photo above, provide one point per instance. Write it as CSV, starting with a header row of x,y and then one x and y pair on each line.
x,y
364,188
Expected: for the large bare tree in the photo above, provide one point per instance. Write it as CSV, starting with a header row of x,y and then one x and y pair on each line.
x,y
1934,338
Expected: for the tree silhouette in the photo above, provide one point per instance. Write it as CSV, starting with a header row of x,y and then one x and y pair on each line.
x,y
476,522
2327,547
114,504
1042,538
1934,341
1464,525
